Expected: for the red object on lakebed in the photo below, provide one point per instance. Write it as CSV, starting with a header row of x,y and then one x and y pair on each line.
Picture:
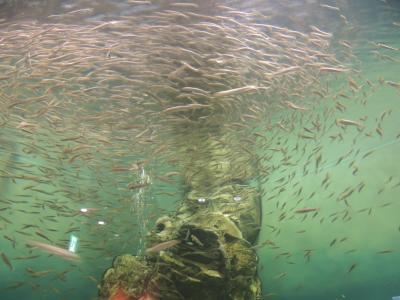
x,y
120,294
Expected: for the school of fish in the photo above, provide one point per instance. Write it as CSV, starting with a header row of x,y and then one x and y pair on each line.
x,y
86,108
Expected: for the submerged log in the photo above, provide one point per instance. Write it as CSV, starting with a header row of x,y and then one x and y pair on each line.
x,y
216,225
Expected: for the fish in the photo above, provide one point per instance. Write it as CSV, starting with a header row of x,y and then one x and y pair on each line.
x,y
120,169
334,8
334,70
280,276
6,220
352,83
385,251
16,285
326,179
170,174
11,240
268,295
346,122
54,250
6,261
162,246
133,186
240,90
294,106
42,235
34,273
305,210
393,84
384,46
26,257
351,251
184,108
368,153
352,267
318,161
92,278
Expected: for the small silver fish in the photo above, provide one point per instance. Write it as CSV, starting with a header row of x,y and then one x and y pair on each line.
x,y
55,250
162,246
6,261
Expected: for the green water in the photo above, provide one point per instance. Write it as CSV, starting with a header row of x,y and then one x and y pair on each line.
x,y
325,275
309,255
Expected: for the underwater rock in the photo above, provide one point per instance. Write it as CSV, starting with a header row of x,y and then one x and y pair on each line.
x,y
213,229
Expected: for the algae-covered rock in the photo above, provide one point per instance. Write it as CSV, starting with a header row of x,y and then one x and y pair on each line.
x,y
215,226
128,272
